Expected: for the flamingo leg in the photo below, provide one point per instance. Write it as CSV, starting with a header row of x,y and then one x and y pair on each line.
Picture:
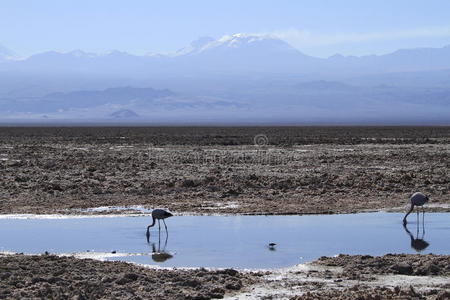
x,y
159,241
165,225
417,230
423,224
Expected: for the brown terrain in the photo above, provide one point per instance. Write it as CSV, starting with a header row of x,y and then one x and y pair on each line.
x,y
204,170
53,277
342,277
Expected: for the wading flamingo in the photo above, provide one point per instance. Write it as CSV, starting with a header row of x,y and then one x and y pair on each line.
x,y
159,214
417,199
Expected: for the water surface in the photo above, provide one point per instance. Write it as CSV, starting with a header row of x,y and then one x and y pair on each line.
x,y
230,241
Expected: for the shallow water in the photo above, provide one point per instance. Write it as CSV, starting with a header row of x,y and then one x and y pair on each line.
x,y
229,241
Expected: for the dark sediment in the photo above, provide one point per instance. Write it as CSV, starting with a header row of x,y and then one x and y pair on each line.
x,y
361,292
364,277
343,277
53,277
219,170
405,264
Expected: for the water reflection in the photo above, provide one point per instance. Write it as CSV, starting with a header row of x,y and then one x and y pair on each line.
x,y
418,243
160,254
271,247
230,241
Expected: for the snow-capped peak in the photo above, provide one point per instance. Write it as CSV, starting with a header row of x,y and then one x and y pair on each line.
x,y
242,38
235,41
81,53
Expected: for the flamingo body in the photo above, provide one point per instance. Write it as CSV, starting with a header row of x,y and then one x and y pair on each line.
x,y
159,214
417,199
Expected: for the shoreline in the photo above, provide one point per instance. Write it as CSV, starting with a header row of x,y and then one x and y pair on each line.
x,y
436,208
410,276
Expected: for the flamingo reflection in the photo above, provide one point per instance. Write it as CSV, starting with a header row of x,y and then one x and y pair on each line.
x,y
418,243
160,254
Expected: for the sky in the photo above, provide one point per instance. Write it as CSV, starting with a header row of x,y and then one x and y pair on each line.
x,y
317,28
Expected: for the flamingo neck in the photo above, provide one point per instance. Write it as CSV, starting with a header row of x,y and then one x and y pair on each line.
x,y
410,210
153,224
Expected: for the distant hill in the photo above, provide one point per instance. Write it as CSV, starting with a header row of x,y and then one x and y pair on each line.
x,y
112,97
119,103
124,114
323,85
109,96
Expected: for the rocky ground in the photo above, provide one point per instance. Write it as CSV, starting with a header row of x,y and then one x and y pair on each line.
x,y
221,170
414,265
53,277
342,277
358,277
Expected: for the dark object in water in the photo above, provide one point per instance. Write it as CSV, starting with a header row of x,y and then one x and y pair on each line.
x,y
158,214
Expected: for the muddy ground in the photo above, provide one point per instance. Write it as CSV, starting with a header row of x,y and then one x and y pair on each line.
x,y
342,277
290,170
358,277
53,277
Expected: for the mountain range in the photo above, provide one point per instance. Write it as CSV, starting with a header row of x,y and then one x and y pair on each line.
x,y
237,75
236,55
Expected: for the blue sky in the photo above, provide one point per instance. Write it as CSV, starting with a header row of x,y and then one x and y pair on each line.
x,y
318,28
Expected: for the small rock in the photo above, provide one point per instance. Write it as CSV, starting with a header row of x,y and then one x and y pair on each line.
x,y
234,285
403,268
5,275
131,276
443,295
431,269
230,272
192,283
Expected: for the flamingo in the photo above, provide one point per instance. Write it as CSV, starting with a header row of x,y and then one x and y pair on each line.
x,y
159,214
417,199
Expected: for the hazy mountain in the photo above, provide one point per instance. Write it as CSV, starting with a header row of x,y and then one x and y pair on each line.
x,y
108,96
323,85
120,103
405,60
124,114
232,77
235,55
195,46
114,97
246,54
431,79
